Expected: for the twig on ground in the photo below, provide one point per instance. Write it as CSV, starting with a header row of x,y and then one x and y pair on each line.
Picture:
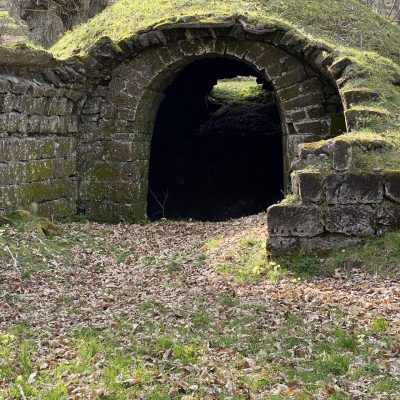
x,y
161,204
21,391
14,258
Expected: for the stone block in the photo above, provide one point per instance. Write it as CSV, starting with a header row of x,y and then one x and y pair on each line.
x,y
388,217
39,170
37,105
358,220
338,67
293,142
290,92
315,149
52,106
7,198
290,78
4,174
92,191
8,102
281,245
354,188
294,220
328,242
342,155
3,123
5,86
34,122
109,171
65,187
307,100
308,186
54,124
392,185
18,172
28,193
64,106
63,167
20,86
318,112
357,119
71,123
296,116
141,150
240,49
355,96
319,127
121,150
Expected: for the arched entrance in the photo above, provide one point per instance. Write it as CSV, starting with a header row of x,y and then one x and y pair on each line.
x,y
214,158
121,116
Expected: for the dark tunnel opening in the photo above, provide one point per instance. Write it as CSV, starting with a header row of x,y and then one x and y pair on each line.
x,y
215,158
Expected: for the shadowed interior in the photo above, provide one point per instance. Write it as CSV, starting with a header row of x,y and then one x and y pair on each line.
x,y
213,160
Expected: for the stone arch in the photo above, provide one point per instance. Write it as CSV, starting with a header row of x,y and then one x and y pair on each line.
x,y
118,117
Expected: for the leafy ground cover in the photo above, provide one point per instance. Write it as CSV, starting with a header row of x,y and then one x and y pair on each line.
x,y
188,310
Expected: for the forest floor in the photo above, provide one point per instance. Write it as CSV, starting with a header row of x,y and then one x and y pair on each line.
x,y
189,310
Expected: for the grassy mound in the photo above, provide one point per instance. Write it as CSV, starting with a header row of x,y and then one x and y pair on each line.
x,y
354,25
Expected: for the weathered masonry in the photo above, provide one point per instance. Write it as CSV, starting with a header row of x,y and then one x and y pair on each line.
x,y
76,135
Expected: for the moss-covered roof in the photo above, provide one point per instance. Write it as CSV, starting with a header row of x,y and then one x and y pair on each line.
x,y
345,23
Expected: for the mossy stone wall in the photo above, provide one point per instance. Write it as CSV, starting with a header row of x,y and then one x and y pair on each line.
x,y
76,135
38,140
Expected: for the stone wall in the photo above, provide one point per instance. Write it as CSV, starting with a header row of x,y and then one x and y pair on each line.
x,y
38,139
76,135
334,205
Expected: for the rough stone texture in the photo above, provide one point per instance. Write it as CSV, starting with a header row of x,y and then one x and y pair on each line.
x,y
308,186
354,189
294,220
392,185
342,155
38,140
351,220
78,133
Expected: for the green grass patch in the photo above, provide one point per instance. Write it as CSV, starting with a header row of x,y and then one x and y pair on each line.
x,y
237,90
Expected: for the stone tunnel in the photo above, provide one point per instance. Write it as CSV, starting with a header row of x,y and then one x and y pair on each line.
x,y
94,135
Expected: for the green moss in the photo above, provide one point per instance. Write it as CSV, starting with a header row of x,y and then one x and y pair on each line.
x,y
126,18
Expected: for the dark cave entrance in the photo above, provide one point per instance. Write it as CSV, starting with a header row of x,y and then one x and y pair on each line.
x,y
215,158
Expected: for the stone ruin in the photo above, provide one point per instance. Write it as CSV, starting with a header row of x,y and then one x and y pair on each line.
x,y
76,135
